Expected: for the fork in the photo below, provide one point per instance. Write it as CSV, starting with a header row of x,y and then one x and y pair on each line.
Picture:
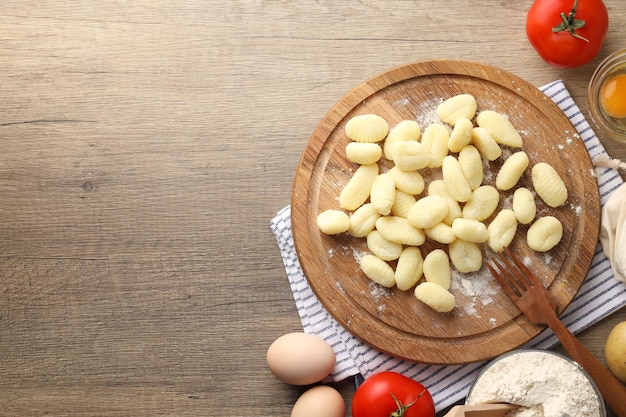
x,y
527,291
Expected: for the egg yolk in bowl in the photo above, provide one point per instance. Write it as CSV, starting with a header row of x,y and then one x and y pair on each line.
x,y
613,96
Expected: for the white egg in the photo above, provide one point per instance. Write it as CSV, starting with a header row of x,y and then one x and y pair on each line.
x,y
320,401
300,358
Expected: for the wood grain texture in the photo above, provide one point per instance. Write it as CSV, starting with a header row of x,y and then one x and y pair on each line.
x,y
145,146
484,323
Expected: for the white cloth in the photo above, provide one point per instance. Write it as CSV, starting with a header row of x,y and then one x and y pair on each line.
x,y
600,295
613,231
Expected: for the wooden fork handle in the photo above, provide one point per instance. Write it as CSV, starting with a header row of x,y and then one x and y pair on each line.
x,y
612,390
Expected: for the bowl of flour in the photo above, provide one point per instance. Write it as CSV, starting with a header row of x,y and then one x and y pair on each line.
x,y
543,383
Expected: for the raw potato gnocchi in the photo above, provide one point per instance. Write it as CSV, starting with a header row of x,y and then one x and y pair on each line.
x,y
455,181
358,188
437,270
363,220
409,268
435,297
512,170
411,182
378,270
500,128
524,205
465,256
398,230
544,234
470,230
382,247
333,222
438,188
363,153
369,128
435,141
383,193
461,134
472,166
441,233
502,230
388,208
486,144
482,203
402,203
406,130
427,212
459,106
548,184
409,156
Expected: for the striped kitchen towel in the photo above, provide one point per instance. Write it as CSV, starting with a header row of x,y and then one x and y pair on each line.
x,y
449,384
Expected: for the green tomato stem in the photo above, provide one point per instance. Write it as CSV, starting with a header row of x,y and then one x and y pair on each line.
x,y
570,23
402,408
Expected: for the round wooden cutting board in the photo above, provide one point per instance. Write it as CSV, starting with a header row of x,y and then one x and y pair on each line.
x,y
484,323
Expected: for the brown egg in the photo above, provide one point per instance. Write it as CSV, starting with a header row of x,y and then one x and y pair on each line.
x,y
319,401
300,358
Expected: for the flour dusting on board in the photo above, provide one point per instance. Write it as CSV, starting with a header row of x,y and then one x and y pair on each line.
x,y
478,289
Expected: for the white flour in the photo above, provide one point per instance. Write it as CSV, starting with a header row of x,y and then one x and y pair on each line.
x,y
546,385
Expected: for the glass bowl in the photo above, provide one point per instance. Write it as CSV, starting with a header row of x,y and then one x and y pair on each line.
x,y
533,373
609,126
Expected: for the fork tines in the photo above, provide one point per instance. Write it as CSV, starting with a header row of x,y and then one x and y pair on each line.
x,y
511,273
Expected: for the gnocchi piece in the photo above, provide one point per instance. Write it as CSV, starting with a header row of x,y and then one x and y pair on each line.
x,y
548,184
427,212
524,205
461,134
482,203
465,256
470,230
512,170
500,128
358,188
383,248
502,230
409,268
363,220
363,153
455,181
437,269
398,230
333,222
402,204
383,193
544,234
369,128
410,156
377,270
441,233
435,297
411,182
472,166
406,130
437,187
462,105
435,141
486,144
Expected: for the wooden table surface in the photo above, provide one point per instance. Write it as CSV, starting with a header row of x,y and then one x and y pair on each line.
x,y
145,147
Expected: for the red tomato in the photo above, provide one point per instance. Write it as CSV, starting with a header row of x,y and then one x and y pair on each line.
x,y
567,33
390,394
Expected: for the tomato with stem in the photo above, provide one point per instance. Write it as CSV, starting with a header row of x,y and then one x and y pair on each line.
x,y
567,33
390,394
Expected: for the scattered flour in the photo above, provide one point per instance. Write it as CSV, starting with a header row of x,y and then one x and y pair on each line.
x,y
544,383
479,287
402,102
